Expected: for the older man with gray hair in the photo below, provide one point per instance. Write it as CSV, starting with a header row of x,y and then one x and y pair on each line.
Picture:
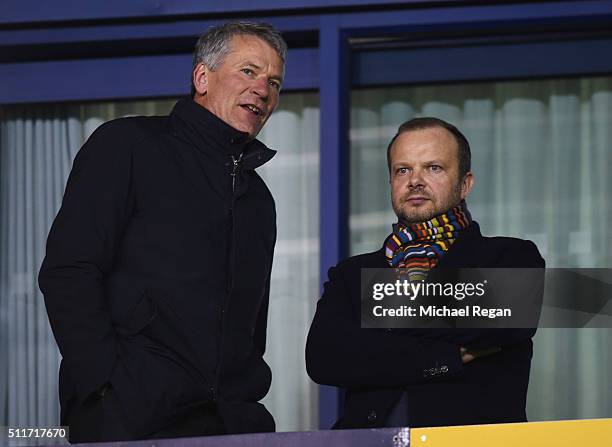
x,y
157,271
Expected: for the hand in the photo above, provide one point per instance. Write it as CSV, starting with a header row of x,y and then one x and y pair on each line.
x,y
103,390
467,355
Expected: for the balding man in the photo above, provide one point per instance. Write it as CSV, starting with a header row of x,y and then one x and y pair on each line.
x,y
420,377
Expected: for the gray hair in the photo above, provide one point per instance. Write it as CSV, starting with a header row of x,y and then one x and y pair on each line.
x,y
213,45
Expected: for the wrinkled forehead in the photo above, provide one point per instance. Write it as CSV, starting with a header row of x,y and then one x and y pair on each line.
x,y
255,49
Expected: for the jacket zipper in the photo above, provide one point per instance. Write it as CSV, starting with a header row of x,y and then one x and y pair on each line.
x,y
235,168
234,173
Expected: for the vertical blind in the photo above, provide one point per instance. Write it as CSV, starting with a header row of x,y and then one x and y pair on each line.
x,y
541,150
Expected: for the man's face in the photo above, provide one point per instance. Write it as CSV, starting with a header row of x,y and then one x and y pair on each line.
x,y
243,90
425,174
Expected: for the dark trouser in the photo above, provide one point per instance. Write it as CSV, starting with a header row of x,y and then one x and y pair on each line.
x,y
100,420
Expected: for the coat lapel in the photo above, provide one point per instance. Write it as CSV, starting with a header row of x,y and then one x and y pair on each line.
x,y
465,251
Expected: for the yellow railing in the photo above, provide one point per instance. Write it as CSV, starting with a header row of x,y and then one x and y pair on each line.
x,y
581,433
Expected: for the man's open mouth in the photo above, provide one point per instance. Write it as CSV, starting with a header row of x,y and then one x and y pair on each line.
x,y
253,109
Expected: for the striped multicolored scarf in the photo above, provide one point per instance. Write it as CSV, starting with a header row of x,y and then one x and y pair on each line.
x,y
418,247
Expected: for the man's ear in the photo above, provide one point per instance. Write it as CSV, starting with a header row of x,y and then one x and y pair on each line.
x,y
199,78
466,185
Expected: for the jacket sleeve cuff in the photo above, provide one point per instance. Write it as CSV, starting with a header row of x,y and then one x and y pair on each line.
x,y
443,361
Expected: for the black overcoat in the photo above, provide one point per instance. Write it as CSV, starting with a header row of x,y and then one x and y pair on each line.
x,y
377,366
157,270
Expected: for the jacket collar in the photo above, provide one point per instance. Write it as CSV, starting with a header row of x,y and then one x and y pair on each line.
x,y
213,136
464,252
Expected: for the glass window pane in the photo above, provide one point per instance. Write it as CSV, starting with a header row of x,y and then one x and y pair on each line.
x,y
293,177
541,150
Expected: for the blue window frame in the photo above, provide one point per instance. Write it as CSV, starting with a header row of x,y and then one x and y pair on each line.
x,y
506,54
334,63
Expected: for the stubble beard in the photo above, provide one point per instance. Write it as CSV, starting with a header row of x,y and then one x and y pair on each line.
x,y
418,215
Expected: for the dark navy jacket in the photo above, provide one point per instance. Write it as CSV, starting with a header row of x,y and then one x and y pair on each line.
x,y
157,270
378,366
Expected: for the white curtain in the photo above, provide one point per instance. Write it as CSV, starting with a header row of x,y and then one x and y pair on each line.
x,y
38,144
541,152
293,177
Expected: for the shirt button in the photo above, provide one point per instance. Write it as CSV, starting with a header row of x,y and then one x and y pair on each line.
x,y
372,416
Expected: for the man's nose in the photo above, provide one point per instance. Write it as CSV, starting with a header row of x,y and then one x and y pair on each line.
x,y
415,179
261,88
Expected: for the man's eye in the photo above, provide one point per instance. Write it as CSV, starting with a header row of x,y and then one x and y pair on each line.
x,y
247,71
275,84
402,171
435,168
